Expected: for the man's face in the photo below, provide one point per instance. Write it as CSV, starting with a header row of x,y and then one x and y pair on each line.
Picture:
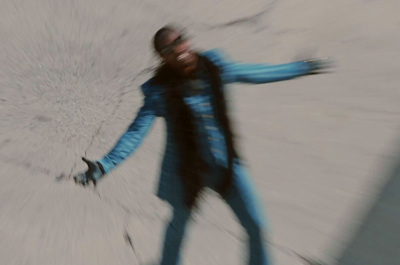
x,y
176,52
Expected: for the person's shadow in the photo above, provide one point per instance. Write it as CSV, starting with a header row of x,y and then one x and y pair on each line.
x,y
377,240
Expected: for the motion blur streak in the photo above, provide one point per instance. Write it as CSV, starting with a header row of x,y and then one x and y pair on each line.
x,y
319,148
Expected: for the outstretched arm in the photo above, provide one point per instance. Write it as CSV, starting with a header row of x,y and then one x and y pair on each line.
x,y
263,73
132,138
257,73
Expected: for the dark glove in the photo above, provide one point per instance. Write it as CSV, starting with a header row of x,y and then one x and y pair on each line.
x,y
94,173
318,65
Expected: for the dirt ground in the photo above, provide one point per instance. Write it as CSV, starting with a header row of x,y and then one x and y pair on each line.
x,y
319,147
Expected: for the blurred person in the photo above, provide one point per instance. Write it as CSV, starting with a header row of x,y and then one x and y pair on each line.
x,y
187,90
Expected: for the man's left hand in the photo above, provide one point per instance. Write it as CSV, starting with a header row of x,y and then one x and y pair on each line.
x,y
319,65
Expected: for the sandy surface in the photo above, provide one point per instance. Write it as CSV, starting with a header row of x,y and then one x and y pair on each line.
x,y
319,147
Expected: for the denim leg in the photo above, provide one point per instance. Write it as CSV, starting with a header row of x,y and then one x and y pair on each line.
x,y
245,203
174,234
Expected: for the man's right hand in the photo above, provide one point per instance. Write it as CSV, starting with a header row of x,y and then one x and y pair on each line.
x,y
93,174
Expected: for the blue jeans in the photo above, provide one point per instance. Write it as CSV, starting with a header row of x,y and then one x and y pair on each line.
x,y
245,204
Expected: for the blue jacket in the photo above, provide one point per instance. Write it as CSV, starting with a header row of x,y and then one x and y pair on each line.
x,y
154,106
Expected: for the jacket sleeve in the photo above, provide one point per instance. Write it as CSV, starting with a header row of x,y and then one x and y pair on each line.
x,y
132,138
255,73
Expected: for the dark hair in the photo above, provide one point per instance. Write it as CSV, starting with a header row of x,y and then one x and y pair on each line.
x,y
192,167
160,34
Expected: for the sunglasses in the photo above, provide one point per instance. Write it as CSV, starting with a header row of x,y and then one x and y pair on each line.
x,y
170,47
